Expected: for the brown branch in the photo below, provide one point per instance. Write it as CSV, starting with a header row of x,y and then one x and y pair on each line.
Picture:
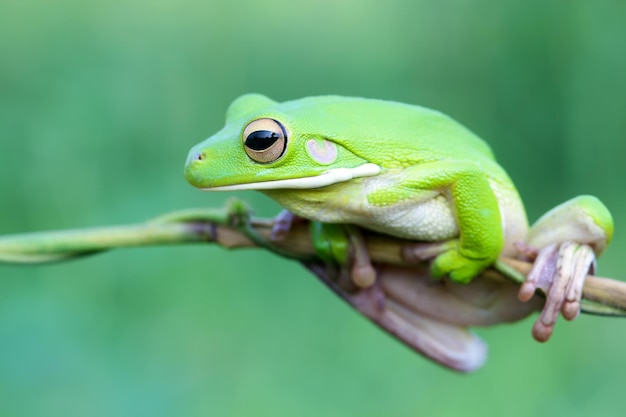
x,y
202,226
431,317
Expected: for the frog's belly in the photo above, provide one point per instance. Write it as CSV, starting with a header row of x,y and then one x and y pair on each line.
x,y
427,217
429,220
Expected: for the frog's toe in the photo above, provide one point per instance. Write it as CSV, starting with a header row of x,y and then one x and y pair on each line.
x,y
579,261
559,272
282,224
363,273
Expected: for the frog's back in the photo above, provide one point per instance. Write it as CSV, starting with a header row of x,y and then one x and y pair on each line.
x,y
396,136
387,133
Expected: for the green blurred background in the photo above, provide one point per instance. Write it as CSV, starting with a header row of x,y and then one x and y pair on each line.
x,y
99,103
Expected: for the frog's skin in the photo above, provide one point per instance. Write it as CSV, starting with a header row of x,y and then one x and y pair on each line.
x,y
397,169
393,168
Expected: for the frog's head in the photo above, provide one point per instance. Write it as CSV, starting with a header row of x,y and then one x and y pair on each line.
x,y
267,145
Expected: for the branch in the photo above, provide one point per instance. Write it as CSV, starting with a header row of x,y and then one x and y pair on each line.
x,y
231,228
429,316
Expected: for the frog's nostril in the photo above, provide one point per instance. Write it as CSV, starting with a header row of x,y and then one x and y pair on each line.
x,y
199,156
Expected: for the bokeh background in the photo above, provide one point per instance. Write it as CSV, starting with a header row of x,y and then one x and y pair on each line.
x,y
99,103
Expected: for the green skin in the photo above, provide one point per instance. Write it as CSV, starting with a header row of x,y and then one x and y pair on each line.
x,y
394,168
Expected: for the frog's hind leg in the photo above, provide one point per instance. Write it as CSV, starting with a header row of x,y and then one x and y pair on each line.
x,y
566,241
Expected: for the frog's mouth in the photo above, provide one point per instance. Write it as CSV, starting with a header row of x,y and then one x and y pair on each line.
x,y
332,176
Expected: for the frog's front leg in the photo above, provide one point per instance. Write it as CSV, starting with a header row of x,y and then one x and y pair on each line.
x,y
565,242
478,232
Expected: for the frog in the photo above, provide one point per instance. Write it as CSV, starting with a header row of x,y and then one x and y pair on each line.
x,y
409,172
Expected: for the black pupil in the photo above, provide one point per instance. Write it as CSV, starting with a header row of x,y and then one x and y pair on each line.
x,y
261,139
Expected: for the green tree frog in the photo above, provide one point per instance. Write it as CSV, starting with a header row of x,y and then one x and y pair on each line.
x,y
405,171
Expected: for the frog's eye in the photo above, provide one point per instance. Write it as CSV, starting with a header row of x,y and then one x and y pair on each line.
x,y
265,140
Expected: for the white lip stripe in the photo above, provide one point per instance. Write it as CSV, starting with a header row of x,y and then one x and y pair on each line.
x,y
332,176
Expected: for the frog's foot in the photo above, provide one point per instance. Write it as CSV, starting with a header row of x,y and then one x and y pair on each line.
x,y
559,272
344,245
569,237
446,260
432,317
459,267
